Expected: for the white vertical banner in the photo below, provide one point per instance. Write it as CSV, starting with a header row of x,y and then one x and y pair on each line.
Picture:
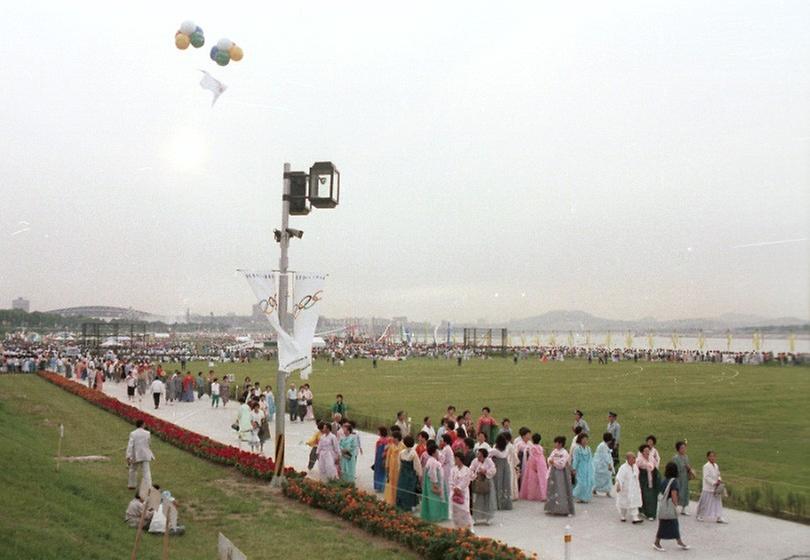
x,y
306,291
307,294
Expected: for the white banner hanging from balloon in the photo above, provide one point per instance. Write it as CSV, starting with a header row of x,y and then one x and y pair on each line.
x,y
306,291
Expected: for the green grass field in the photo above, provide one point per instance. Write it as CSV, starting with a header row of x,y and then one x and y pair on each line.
x,y
78,512
756,418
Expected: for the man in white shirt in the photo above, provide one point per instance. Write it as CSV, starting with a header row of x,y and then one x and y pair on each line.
x,y
628,491
139,455
157,388
292,402
428,428
215,393
403,423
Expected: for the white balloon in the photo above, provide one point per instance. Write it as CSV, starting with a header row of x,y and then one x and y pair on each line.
x,y
224,44
188,27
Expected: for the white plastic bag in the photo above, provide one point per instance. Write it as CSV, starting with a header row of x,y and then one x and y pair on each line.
x,y
158,524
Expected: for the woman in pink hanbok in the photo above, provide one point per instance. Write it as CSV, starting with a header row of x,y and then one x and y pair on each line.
x,y
535,472
99,380
328,454
310,414
460,478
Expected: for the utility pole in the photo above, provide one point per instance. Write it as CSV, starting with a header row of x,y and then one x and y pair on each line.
x,y
284,320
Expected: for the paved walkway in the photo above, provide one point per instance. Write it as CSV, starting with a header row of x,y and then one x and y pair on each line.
x,y
597,531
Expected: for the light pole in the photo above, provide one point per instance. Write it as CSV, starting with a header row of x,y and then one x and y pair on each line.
x,y
321,188
283,239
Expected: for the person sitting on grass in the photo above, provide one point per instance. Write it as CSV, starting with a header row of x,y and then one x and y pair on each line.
x,y
134,512
168,508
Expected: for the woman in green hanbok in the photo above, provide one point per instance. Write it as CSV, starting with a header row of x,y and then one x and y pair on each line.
x,y
435,506
349,445
649,480
685,474
410,471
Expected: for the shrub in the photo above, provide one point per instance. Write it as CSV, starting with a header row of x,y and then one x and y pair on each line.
x,y
797,504
752,497
773,500
379,518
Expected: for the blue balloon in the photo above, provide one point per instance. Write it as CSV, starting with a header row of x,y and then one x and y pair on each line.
x,y
214,51
198,29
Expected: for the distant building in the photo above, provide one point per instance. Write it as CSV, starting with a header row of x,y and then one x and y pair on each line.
x,y
106,313
21,304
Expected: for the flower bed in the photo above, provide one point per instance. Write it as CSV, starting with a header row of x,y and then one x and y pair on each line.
x,y
379,518
360,508
199,445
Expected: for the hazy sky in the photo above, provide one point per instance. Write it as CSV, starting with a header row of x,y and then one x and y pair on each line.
x,y
498,159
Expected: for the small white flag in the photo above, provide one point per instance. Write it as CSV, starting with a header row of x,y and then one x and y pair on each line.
x,y
213,85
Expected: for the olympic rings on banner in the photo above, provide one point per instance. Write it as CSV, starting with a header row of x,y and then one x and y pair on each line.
x,y
268,305
307,302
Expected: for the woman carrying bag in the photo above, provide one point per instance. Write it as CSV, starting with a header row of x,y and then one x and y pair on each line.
x,y
484,502
668,527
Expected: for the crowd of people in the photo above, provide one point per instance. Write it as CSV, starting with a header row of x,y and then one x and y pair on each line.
x,y
463,470
466,470
19,354
338,351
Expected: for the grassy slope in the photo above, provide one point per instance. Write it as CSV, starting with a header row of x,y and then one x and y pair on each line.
x,y
758,420
78,512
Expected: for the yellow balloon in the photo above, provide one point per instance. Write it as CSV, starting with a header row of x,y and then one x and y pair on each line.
x,y
236,53
181,41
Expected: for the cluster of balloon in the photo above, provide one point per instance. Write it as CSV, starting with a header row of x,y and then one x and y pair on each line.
x,y
189,34
225,51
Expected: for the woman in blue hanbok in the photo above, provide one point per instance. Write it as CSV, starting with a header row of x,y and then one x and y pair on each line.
x,y
603,466
349,446
379,459
582,465
271,403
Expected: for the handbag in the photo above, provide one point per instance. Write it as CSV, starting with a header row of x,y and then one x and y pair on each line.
x,y
720,490
666,509
480,485
458,497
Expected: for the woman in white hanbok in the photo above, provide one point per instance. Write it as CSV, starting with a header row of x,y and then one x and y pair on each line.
x,y
328,454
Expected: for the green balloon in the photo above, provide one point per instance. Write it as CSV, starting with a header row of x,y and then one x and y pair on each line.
x,y
222,58
197,40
